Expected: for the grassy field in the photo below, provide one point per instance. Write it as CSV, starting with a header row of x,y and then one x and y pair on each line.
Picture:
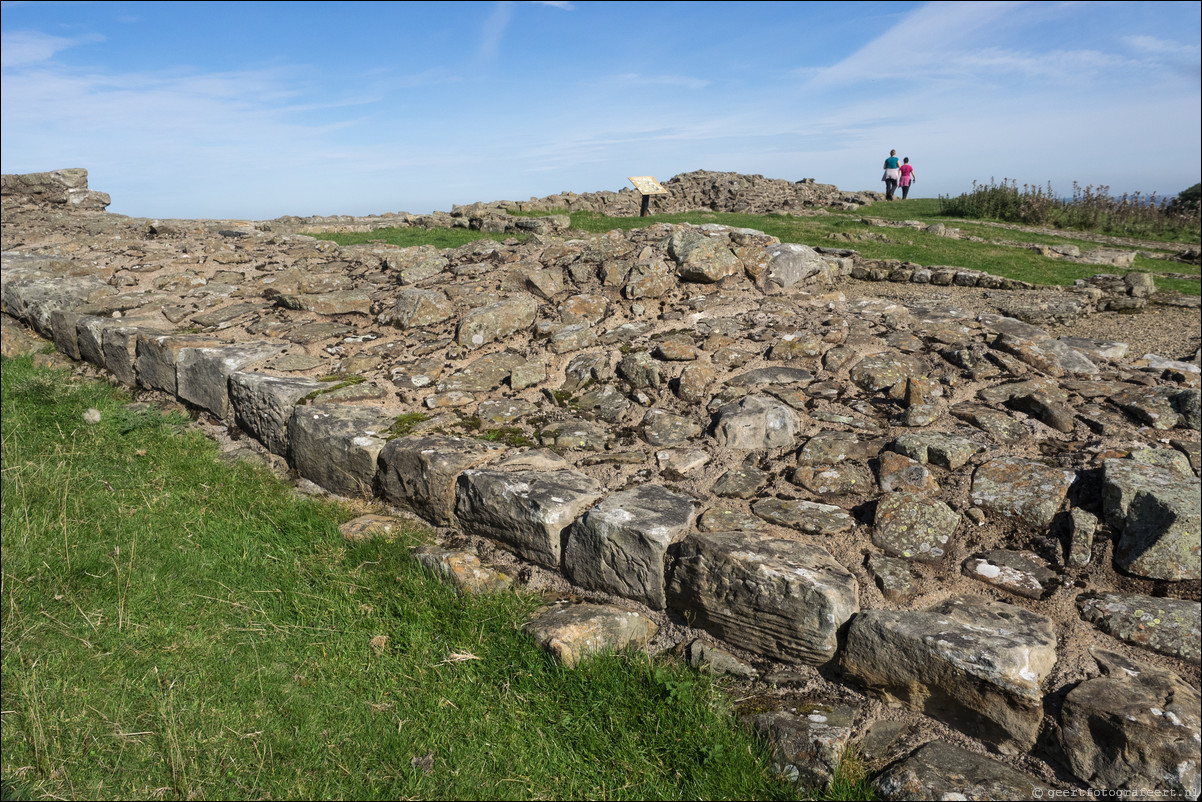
x,y
176,627
847,230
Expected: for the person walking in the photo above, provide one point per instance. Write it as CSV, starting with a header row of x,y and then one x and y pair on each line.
x,y
906,178
892,173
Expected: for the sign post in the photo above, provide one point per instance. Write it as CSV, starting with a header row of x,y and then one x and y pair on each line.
x,y
647,186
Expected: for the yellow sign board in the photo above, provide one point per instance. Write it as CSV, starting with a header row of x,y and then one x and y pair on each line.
x,y
647,185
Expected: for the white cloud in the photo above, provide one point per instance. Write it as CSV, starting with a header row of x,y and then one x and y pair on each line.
x,y
22,48
494,30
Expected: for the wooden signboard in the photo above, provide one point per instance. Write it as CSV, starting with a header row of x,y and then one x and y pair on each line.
x,y
647,186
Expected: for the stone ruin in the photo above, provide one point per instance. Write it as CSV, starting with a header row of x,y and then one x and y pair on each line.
x,y
964,545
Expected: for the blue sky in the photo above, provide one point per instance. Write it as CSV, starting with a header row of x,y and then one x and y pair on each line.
x,y
249,110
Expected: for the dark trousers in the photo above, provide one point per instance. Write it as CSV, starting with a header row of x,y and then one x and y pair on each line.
x,y
905,191
890,188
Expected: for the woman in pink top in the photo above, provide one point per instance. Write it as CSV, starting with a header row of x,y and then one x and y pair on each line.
x,y
907,177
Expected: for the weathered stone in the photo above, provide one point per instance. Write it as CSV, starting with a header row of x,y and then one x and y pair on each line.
x,y
722,519
1011,571
462,570
496,321
681,460
418,308
370,527
914,526
662,428
1082,525
700,258
619,546
262,405
584,308
831,448
525,511
119,352
756,422
807,740
483,374
942,771
1159,517
157,355
770,375
793,263
898,472
797,345
641,371
608,404
696,382
503,411
677,351
780,598
1167,626
32,300
809,517
945,450
574,434
1050,411
573,632
892,576
975,664
546,284
707,657
1135,728
419,473
851,477
336,446
745,481
1150,405
1001,426
879,371
1028,491
202,374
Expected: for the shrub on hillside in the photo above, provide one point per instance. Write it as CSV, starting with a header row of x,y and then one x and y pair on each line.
x,y
1090,208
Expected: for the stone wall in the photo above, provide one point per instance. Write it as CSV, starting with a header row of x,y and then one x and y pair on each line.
x,y
67,188
864,502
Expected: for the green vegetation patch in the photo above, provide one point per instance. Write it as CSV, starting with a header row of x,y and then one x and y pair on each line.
x,y
410,237
174,627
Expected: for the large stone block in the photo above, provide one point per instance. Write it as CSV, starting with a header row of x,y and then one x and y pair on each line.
x,y
336,446
780,598
1135,728
525,511
495,321
263,405
419,473
157,355
619,546
941,771
202,374
975,664
1028,491
756,422
32,300
1157,513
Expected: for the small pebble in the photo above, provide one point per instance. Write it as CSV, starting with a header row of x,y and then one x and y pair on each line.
x,y
92,416
976,515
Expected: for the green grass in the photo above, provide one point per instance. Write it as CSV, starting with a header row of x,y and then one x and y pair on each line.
x,y
409,237
846,230
174,627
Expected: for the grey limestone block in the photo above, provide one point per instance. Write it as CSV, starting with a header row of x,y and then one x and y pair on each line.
x,y
975,664
336,446
202,374
525,511
780,598
419,473
262,405
620,545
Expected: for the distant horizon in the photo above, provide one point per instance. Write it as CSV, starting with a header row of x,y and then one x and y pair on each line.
x,y
256,111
